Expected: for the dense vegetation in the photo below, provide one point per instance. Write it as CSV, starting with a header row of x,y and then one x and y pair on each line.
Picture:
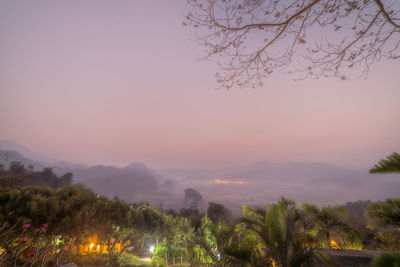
x,y
56,222
17,175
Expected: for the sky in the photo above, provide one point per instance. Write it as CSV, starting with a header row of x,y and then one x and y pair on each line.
x,y
113,82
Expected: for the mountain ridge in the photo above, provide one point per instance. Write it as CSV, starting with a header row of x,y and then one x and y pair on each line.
x,y
259,182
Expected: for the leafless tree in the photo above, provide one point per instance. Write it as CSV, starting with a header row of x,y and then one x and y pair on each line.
x,y
306,38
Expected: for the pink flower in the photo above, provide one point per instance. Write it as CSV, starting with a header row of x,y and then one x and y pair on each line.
x,y
45,225
23,240
25,226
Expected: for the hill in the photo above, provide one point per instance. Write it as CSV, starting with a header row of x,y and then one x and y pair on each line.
x,y
258,183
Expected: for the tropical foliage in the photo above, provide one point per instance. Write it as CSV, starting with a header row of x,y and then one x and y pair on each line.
x,y
390,164
49,226
328,226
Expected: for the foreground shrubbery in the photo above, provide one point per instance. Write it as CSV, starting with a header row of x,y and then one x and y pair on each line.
x,y
41,226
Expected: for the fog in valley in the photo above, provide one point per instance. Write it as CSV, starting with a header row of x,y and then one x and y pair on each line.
x,y
255,184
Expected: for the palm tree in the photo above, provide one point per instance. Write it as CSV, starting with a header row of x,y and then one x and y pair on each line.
x,y
390,164
387,213
386,216
280,230
326,221
209,237
231,244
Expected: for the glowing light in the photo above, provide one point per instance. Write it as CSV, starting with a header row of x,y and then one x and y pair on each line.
x,y
152,249
58,240
221,181
98,247
334,244
91,246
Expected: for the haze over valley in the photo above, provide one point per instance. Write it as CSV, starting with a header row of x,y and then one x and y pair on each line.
x,y
259,183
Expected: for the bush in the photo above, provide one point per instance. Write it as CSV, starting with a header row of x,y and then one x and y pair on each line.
x,y
387,260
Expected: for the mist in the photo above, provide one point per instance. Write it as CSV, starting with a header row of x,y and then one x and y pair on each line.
x,y
255,184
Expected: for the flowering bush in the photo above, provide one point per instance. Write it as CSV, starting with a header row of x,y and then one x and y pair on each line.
x,y
31,245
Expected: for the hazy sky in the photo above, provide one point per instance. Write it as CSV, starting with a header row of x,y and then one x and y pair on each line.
x,y
118,81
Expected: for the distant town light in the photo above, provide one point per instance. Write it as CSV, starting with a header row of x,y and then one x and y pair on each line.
x,y
222,181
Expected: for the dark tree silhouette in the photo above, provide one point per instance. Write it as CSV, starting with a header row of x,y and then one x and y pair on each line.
x,y
310,38
218,212
18,176
390,164
192,197
16,167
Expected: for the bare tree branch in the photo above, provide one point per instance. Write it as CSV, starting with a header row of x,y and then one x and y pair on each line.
x,y
380,5
256,38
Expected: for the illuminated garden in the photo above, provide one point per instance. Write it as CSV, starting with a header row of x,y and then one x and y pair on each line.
x,y
56,223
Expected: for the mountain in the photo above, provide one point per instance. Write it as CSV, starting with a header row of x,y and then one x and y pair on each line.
x,y
6,157
137,165
254,184
126,183
10,145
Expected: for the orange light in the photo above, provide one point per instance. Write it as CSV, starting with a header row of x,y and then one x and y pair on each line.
x,y
221,181
91,246
334,245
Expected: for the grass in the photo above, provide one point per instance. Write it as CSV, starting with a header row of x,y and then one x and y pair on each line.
x,y
130,260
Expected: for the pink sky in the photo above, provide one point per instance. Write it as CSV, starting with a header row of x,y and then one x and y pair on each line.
x,y
112,82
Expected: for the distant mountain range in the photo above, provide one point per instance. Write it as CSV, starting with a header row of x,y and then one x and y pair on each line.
x,y
10,145
126,183
257,183
7,156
